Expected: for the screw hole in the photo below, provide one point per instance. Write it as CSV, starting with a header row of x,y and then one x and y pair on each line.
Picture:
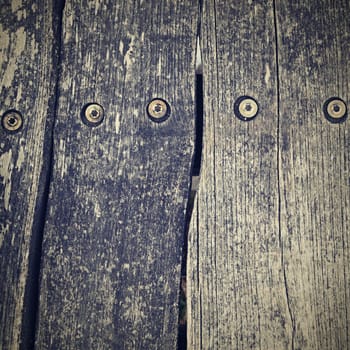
x,y
248,107
158,108
94,113
12,121
336,108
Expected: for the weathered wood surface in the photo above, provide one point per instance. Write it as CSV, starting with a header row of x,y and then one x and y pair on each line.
x,y
269,247
116,211
269,260
314,65
27,84
236,290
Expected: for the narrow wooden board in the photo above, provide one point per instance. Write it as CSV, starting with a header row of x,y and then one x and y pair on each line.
x,y
116,212
236,287
314,65
28,35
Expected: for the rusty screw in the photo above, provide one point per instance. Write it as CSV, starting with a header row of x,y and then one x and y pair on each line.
x,y
12,121
93,114
158,110
246,108
335,110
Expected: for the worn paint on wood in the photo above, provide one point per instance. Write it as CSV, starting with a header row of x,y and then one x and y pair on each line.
x,y
27,84
116,210
269,248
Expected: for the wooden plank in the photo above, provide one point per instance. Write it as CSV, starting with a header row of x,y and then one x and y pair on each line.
x,y
235,282
314,51
27,84
116,212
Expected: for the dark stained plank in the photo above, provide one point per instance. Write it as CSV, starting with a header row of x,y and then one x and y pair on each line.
x,y
28,35
314,65
116,211
236,289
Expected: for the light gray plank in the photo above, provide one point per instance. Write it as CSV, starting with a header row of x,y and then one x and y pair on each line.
x,y
236,289
314,51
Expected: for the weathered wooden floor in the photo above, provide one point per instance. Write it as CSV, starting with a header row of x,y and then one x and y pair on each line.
x,y
95,182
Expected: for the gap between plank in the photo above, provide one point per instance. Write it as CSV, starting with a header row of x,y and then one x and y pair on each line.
x,y
195,176
32,292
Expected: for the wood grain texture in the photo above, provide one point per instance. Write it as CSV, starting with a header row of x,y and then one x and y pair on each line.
x,y
237,295
27,84
269,239
314,51
116,211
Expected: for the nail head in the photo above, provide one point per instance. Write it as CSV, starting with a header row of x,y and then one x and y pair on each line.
x,y
335,110
12,121
158,110
93,114
246,108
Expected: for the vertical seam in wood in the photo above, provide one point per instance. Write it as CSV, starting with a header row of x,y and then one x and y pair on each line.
x,y
195,166
199,289
214,161
30,316
279,174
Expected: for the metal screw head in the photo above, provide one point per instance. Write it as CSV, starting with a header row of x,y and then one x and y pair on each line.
x,y
93,114
246,108
335,110
158,110
12,121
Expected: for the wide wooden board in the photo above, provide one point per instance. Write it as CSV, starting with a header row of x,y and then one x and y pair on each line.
x,y
236,287
269,242
116,211
314,65
28,33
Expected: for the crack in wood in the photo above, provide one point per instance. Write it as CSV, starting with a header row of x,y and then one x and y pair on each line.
x,y
279,172
33,286
195,178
